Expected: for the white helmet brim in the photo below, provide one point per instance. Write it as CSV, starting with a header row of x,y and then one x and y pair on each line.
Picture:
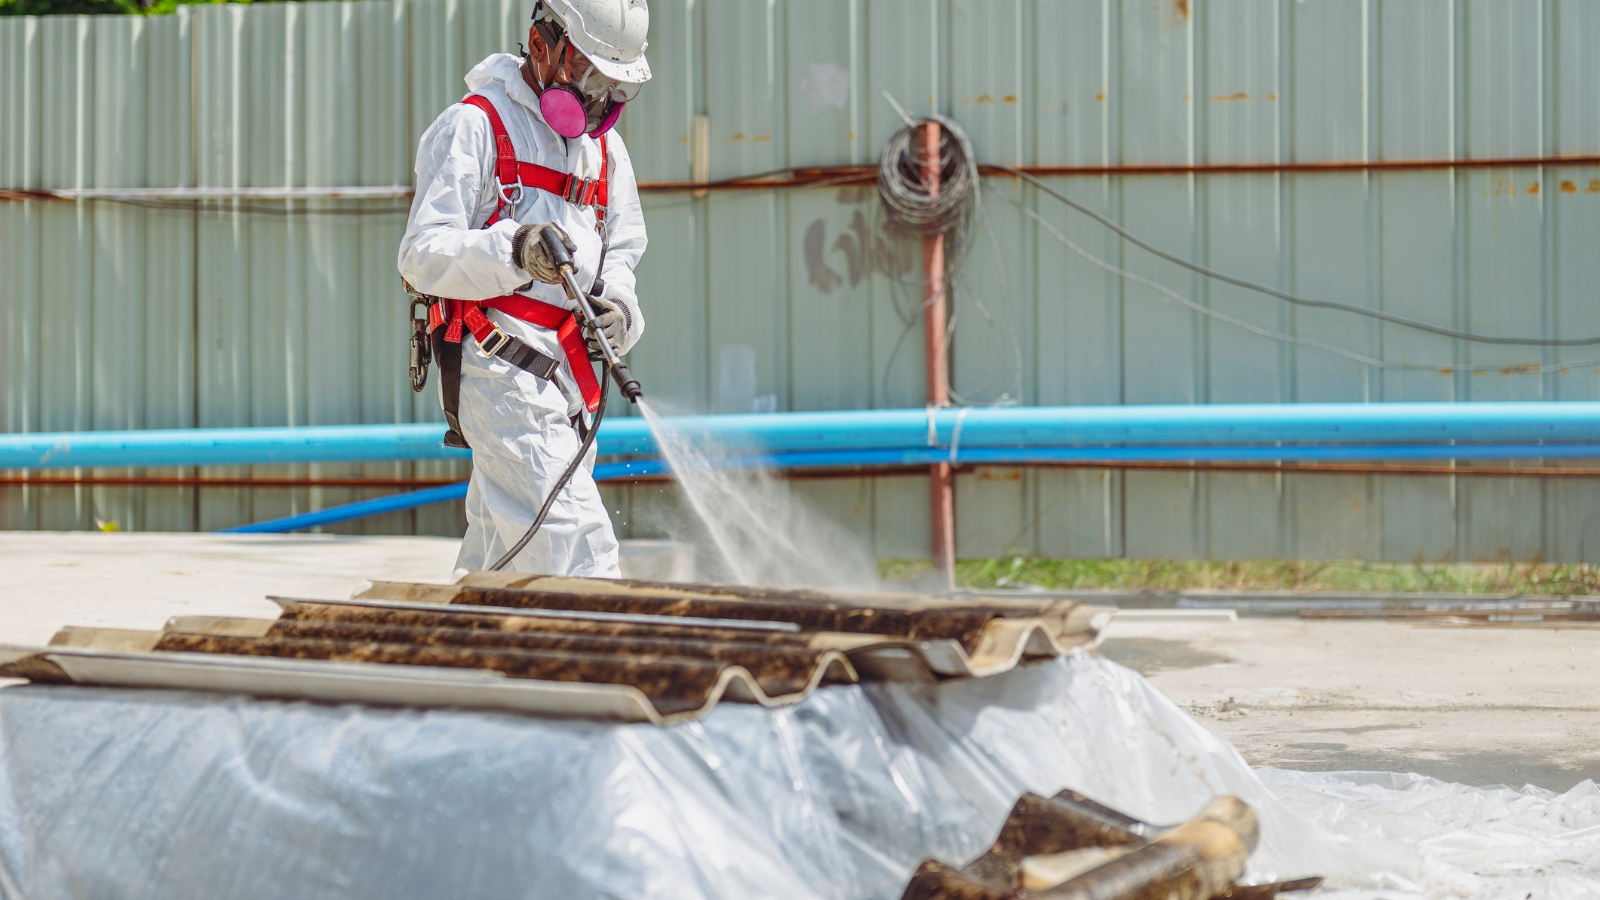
x,y
611,33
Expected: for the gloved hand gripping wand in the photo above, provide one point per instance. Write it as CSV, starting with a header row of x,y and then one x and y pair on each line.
x,y
629,385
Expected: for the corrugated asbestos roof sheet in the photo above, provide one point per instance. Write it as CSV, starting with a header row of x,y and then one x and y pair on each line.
x,y
560,646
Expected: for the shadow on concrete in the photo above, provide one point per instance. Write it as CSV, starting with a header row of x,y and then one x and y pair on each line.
x,y
1150,655
1479,769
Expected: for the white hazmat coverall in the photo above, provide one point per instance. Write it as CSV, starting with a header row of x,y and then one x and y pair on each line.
x,y
519,425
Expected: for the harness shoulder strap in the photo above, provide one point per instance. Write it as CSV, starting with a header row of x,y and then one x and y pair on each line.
x,y
506,169
602,198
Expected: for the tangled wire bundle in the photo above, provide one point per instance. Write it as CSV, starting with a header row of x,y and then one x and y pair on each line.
x,y
906,199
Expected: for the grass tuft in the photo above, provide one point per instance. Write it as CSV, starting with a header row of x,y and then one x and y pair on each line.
x,y
1262,575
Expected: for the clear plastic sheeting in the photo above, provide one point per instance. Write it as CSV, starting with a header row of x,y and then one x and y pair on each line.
x,y
1472,842
169,794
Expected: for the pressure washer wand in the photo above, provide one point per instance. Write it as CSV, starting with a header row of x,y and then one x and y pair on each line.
x,y
619,370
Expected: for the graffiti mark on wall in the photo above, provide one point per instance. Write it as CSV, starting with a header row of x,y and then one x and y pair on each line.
x,y
864,254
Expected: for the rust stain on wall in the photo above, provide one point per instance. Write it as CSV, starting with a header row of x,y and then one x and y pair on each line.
x,y
987,473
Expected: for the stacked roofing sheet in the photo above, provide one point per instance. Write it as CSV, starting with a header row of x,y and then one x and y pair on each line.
x,y
560,646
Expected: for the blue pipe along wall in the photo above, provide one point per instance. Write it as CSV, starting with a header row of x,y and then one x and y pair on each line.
x,y
1322,432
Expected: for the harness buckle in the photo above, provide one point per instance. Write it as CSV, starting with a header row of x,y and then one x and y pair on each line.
x,y
495,342
511,200
577,192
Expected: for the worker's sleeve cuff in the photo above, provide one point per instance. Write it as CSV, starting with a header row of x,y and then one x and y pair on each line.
x,y
631,315
502,236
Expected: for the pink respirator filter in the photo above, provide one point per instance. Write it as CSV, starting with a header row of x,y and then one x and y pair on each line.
x,y
563,111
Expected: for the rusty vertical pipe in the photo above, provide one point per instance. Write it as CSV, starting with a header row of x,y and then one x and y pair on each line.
x,y
940,493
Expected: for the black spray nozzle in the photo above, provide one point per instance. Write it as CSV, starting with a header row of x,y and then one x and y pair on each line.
x,y
626,382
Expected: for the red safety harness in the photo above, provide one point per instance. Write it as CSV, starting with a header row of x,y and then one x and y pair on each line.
x,y
454,317
514,175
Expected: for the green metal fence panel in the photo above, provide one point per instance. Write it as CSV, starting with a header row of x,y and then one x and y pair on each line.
x,y
268,312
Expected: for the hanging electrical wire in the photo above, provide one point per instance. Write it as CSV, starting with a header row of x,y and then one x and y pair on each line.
x,y
913,207
1523,368
1284,295
1005,336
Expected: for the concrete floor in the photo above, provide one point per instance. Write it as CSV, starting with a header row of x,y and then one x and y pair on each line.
x,y
1479,706
140,580
1474,705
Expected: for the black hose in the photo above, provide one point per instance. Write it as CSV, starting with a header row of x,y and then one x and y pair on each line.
x,y
561,483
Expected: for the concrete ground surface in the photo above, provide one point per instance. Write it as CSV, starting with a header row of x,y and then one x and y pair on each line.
x,y
1475,705
140,580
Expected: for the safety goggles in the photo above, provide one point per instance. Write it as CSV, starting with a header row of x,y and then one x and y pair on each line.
x,y
573,69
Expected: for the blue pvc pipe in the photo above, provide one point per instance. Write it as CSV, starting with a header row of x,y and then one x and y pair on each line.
x,y
826,459
412,499
224,446
1059,426
1321,423
830,459
375,507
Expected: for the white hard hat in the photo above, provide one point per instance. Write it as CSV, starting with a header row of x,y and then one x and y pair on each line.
x,y
611,33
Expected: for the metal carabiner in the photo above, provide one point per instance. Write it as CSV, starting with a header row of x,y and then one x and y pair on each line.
x,y
421,352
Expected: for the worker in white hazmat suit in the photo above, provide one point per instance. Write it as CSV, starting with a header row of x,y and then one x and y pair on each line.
x,y
531,147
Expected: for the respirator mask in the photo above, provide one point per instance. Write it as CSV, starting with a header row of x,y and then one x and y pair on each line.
x,y
577,99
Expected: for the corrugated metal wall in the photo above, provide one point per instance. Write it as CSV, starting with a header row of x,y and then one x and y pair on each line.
x,y
120,316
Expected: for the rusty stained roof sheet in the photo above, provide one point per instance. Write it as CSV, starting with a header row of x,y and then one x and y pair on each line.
x,y
563,646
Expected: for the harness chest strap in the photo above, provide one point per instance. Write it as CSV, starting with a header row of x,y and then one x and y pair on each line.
x,y
514,175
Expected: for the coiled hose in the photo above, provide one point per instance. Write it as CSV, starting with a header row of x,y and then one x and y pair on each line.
x,y
906,199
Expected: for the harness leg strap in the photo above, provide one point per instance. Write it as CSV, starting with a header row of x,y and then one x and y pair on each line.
x,y
447,354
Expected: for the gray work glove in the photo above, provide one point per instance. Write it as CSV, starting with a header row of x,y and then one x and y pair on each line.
x,y
528,252
612,318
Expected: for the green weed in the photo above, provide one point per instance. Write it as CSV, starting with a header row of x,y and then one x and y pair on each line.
x,y
1263,575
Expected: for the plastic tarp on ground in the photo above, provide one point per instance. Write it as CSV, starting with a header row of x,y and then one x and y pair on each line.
x,y
165,794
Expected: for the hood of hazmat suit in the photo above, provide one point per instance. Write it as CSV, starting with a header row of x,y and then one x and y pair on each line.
x,y
519,425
